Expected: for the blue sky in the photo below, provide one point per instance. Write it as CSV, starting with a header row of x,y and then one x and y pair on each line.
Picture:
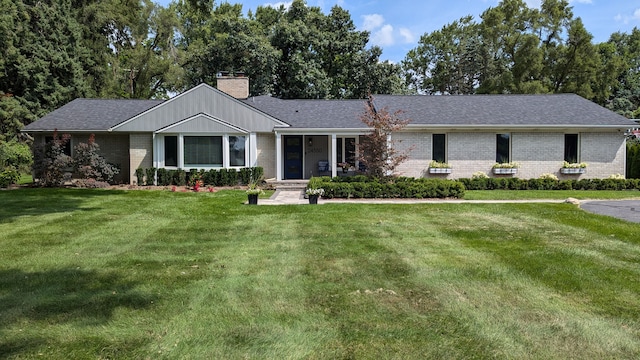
x,y
396,26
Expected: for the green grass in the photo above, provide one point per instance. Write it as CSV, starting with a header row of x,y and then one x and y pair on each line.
x,y
25,179
156,274
550,194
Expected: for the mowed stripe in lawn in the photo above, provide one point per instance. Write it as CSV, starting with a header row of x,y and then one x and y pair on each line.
x,y
172,275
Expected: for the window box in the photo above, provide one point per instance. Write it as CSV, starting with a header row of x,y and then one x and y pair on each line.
x,y
505,171
439,170
573,171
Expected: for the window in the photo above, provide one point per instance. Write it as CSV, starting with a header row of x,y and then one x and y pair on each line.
x,y
571,148
170,151
346,150
438,152
502,148
203,151
236,151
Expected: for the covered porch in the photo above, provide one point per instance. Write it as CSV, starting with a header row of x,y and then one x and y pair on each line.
x,y
300,156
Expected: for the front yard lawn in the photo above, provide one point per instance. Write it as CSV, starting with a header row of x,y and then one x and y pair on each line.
x,y
154,274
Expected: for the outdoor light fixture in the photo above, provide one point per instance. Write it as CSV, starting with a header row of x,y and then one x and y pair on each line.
x,y
310,141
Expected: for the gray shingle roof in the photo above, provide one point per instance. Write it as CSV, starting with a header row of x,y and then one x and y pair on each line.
x,y
474,110
469,110
91,114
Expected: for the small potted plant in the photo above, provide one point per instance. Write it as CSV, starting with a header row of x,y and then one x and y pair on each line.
x,y
436,167
252,193
508,168
314,194
573,168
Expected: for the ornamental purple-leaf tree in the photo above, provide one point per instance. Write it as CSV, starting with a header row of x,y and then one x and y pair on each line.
x,y
377,149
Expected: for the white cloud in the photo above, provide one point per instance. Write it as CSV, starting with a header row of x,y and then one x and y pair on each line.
x,y
372,22
384,36
286,4
625,19
407,35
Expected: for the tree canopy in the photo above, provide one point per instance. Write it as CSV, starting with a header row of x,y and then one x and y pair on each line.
x,y
52,52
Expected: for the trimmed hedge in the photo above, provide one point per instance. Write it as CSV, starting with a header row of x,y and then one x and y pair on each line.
x,y
402,187
213,177
549,184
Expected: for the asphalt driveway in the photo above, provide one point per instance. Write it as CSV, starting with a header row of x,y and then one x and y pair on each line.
x,y
622,209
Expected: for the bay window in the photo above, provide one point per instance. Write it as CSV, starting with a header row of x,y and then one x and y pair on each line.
x,y
195,151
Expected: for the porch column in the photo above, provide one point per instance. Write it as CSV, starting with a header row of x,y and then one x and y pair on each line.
x,y
334,155
156,157
278,156
253,150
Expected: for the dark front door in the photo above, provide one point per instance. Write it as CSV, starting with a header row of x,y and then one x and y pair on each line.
x,y
293,157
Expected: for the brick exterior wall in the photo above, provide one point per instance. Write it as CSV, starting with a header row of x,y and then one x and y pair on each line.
x,y
267,154
140,153
419,146
537,153
604,152
238,87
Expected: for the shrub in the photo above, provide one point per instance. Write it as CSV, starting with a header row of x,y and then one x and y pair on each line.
x,y
257,173
50,163
232,177
150,176
388,187
90,165
91,184
180,177
479,175
8,177
548,183
244,176
163,177
139,173
548,176
15,155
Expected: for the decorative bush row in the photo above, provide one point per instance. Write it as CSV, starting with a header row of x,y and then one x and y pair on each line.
x,y
402,187
213,177
549,184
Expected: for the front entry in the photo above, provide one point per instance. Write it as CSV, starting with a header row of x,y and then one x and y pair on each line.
x,y
293,157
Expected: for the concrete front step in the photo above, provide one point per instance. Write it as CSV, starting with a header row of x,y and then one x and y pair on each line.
x,y
289,184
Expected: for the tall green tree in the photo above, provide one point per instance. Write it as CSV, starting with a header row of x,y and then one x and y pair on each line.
x,y
224,40
43,59
625,94
447,61
513,49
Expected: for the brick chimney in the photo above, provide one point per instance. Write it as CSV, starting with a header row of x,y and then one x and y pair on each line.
x,y
236,86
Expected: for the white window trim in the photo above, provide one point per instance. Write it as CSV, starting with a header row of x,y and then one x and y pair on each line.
x,y
159,146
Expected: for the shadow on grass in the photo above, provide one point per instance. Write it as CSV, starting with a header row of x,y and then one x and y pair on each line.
x,y
40,201
62,296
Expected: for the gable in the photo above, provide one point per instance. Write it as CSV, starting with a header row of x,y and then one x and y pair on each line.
x,y
203,99
202,123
